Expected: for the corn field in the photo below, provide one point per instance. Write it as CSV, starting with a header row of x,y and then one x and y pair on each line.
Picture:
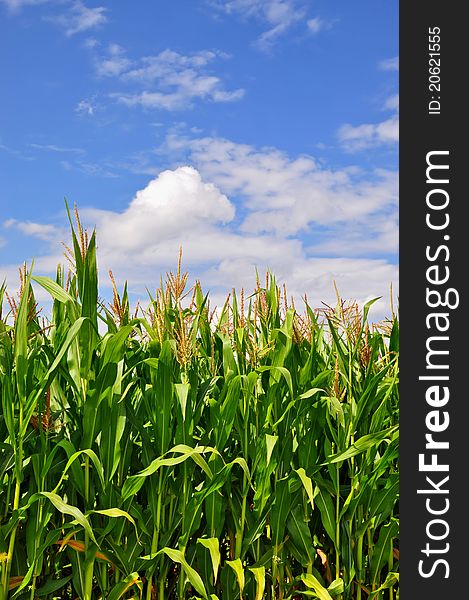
x,y
177,452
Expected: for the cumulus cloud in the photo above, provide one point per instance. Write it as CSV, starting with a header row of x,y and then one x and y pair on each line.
x,y
180,207
239,208
286,196
172,204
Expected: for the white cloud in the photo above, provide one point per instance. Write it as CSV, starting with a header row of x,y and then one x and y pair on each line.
x,y
178,206
153,68
286,196
174,203
360,137
315,25
16,153
39,230
79,18
86,107
89,168
15,5
241,207
392,103
55,148
371,235
390,64
91,43
168,80
114,63
354,138
280,15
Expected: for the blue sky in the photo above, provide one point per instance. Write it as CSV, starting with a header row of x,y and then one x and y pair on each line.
x,y
257,133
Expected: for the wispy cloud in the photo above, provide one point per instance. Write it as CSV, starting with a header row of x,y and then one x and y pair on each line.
x,y
16,153
390,64
89,168
86,107
54,148
354,138
168,80
279,15
91,43
392,103
315,25
40,230
79,18
113,63
16,5
359,137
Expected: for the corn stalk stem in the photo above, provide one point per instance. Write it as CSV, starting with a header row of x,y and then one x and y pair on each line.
x,y
156,534
16,504
337,526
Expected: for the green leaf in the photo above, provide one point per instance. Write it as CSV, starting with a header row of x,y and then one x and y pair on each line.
x,y
194,578
259,576
227,412
73,511
135,482
21,341
123,586
326,508
310,581
55,290
94,459
336,587
383,548
212,546
112,352
384,501
310,393
361,445
115,513
307,484
301,536
237,567
280,510
283,371
182,389
389,582
270,441
52,585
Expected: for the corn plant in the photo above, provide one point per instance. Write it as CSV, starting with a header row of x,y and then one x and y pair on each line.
x,y
179,452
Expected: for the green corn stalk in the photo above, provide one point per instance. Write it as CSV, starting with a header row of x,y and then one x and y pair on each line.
x,y
174,454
